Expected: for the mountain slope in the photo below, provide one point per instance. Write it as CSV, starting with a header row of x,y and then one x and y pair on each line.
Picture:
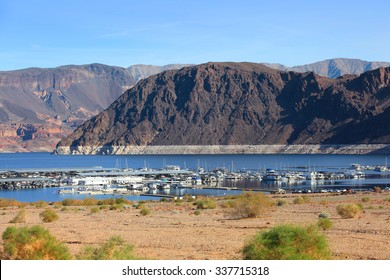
x,y
38,105
241,104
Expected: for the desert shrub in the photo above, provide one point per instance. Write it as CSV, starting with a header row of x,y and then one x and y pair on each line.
x,y
108,201
197,212
145,211
121,200
140,205
228,204
116,207
35,243
387,199
324,223
347,211
114,249
250,205
281,202
94,210
89,201
299,200
189,198
10,203
207,203
68,202
21,217
365,199
48,216
39,204
377,189
287,242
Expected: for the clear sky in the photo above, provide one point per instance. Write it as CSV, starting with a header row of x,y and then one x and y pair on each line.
x,y
49,33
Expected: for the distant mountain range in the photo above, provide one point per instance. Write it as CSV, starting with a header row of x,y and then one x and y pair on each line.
x,y
240,104
38,106
333,68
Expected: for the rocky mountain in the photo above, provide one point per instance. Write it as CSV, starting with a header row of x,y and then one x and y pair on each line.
x,y
240,104
40,106
333,68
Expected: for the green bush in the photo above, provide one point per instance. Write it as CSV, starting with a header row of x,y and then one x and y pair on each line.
x,y
324,223
281,202
365,199
287,242
21,217
251,205
94,210
145,211
299,200
68,202
35,243
207,203
197,212
114,249
228,204
348,211
39,204
48,216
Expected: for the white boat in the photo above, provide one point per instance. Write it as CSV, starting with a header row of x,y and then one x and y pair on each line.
x,y
271,175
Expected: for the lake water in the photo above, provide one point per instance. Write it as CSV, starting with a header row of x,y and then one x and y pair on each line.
x,y
208,162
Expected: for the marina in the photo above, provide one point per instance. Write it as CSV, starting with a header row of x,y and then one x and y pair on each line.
x,y
200,178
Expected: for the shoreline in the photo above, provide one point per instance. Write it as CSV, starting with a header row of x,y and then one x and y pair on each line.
x,y
173,231
342,149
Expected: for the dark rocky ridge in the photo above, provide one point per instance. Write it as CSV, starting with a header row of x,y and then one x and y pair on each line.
x,y
242,104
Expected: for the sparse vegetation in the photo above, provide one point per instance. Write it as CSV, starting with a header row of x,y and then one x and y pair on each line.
x,y
21,217
114,249
281,202
39,204
250,205
348,211
287,242
35,243
365,199
228,204
377,189
145,211
324,223
206,203
197,212
48,216
10,203
95,210
299,200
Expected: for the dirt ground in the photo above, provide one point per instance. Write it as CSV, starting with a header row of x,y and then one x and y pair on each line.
x,y
173,232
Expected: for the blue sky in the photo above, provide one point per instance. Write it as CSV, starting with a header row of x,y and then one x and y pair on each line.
x,y
44,33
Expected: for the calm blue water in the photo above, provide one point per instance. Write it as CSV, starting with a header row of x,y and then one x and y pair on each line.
x,y
208,162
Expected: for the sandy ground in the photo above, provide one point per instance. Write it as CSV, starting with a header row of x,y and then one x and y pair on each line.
x,y
173,231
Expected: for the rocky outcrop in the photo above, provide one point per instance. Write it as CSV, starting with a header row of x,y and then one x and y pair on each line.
x,y
219,104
